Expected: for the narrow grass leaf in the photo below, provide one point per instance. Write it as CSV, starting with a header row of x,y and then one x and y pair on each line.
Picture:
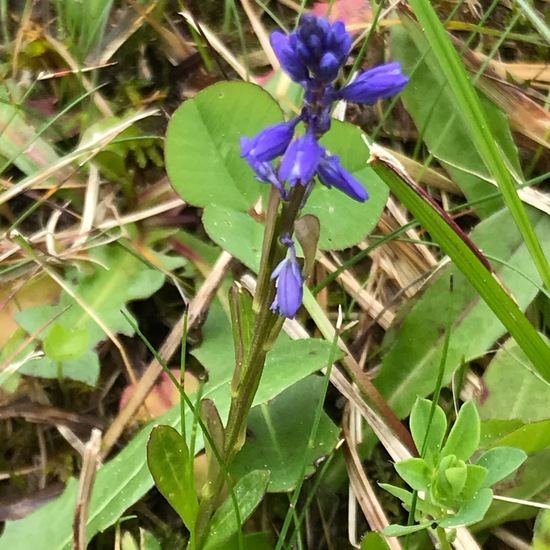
x,y
472,112
470,262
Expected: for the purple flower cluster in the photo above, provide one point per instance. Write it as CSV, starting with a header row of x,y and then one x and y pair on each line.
x,y
313,56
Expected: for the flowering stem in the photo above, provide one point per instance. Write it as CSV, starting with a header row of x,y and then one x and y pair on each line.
x,y
266,328
266,322
269,247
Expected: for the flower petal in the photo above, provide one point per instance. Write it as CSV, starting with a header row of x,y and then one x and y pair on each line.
x,y
270,142
289,286
374,84
331,173
288,57
301,160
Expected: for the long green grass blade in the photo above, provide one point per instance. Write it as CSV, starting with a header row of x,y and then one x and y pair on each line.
x,y
468,259
474,116
535,19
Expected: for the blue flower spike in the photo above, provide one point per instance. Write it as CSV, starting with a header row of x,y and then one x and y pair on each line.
x,y
265,173
313,56
289,283
374,84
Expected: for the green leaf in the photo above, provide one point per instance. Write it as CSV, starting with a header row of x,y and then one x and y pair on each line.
x,y
125,479
249,491
415,473
456,477
500,462
402,530
420,427
482,311
472,511
541,538
530,482
480,132
202,144
105,287
128,542
282,446
475,476
236,232
307,230
406,497
402,494
430,101
530,438
211,418
493,430
148,541
463,438
64,344
172,469
345,221
257,541
83,369
511,390
374,541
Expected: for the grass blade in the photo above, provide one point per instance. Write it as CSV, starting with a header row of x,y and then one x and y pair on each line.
x,y
467,258
473,114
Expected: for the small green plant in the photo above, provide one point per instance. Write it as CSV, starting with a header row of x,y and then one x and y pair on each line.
x,y
450,491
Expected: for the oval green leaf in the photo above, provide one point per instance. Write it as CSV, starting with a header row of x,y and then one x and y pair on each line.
x,y
202,144
344,221
249,491
172,469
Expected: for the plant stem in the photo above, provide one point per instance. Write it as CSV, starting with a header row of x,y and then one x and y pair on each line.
x,y
442,538
266,329
266,322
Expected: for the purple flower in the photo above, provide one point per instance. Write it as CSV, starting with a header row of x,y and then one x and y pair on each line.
x,y
265,173
301,160
323,47
316,51
374,84
269,143
289,283
286,54
331,173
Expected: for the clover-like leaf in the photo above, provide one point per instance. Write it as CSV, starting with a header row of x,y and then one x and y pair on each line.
x,y
63,344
